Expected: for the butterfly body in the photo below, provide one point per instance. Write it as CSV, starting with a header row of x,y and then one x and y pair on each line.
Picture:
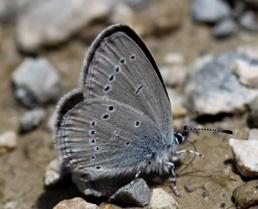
x,y
119,121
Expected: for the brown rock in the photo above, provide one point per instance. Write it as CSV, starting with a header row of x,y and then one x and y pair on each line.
x,y
75,203
246,195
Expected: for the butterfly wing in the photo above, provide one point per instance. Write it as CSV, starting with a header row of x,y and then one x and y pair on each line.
x,y
103,137
120,66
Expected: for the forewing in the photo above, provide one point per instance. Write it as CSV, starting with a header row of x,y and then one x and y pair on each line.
x,y
105,137
120,66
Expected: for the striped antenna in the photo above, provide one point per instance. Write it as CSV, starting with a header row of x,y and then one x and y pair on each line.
x,y
219,130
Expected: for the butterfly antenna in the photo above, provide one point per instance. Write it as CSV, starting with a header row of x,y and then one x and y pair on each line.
x,y
218,130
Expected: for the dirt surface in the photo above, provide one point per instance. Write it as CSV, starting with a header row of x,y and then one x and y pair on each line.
x,y
22,171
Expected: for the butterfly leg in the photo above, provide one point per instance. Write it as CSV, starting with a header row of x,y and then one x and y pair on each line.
x,y
172,179
135,177
190,152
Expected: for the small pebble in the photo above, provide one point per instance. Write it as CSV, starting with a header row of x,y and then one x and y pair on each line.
x,y
36,82
75,203
210,11
246,156
247,73
53,173
246,195
160,199
11,205
136,194
249,21
32,119
174,59
253,134
8,141
224,28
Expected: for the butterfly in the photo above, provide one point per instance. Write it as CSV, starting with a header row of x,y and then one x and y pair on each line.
x,y
118,122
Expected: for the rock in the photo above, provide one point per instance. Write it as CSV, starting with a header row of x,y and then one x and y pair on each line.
x,y
224,28
246,195
253,114
8,141
11,9
36,82
32,119
210,11
53,173
253,134
247,73
177,103
109,206
214,88
136,194
246,156
173,75
248,21
11,205
50,23
174,59
157,18
75,203
160,199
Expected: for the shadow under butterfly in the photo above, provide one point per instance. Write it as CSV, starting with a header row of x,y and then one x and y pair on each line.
x,y
117,126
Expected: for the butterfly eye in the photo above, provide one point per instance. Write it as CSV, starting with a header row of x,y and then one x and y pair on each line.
x,y
133,57
93,157
122,60
98,167
127,143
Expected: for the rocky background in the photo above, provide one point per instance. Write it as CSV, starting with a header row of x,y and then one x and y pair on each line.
x,y
207,52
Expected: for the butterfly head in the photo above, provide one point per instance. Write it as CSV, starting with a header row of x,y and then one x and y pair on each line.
x,y
181,137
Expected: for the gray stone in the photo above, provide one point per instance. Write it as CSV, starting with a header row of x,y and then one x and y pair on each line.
x,y
32,119
36,82
247,73
214,88
210,11
75,203
157,18
136,194
160,199
246,195
8,141
52,22
246,156
53,172
248,21
224,28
